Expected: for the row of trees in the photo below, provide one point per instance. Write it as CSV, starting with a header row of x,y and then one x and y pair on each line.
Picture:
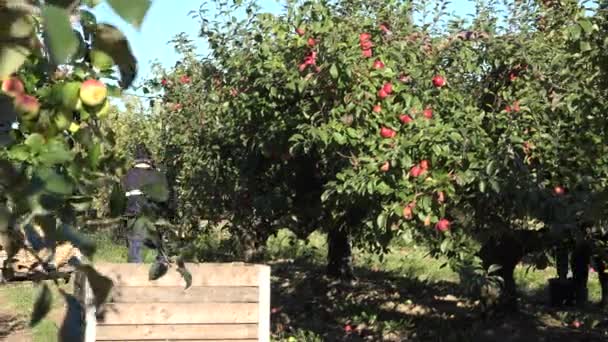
x,y
352,117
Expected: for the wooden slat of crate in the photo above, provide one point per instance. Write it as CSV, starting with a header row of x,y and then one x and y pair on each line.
x,y
202,275
143,310
179,313
197,294
177,332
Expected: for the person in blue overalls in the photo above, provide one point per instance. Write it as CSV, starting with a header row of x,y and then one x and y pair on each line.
x,y
141,175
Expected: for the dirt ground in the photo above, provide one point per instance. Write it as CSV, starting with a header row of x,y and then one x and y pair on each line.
x,y
380,306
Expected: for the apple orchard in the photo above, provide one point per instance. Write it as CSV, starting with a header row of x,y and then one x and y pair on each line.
x,y
353,118
350,117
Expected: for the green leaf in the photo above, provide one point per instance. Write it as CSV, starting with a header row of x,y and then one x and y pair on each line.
x,y
54,182
42,306
35,142
34,239
19,152
86,245
56,152
482,186
157,191
71,327
493,268
381,220
94,155
333,71
59,35
118,201
132,11
100,285
586,25
575,32
157,270
110,40
12,57
585,46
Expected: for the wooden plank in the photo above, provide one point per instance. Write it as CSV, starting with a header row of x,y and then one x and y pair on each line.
x,y
178,313
198,294
207,274
177,332
264,304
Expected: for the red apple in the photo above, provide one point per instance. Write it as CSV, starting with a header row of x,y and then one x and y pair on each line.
x,y
385,167
439,81
416,171
27,106
300,31
366,45
364,37
384,28
184,79
512,76
382,93
408,212
388,87
93,92
387,133
348,328
275,310
577,324
378,64
367,53
443,225
311,42
428,113
558,190
377,109
406,119
12,86
516,107
508,108
424,164
164,82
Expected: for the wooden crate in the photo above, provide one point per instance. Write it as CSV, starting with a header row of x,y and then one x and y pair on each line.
x,y
226,302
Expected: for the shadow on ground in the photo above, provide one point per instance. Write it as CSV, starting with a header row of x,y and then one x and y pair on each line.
x,y
381,306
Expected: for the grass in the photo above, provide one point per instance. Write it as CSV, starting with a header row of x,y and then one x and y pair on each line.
x,y
404,295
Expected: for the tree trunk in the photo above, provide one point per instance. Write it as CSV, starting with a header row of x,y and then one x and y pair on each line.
x,y
339,256
581,258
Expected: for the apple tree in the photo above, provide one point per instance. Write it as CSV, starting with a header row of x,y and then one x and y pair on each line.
x,y
57,68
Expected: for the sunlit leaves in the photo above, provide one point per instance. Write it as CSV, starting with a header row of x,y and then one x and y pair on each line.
x,y
59,34
110,40
158,269
132,11
100,284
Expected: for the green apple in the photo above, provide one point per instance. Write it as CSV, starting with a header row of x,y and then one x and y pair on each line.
x,y
101,60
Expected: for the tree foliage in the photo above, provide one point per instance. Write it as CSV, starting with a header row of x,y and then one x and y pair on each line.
x,y
353,116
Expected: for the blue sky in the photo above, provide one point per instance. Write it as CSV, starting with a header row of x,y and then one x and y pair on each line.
x,y
167,18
